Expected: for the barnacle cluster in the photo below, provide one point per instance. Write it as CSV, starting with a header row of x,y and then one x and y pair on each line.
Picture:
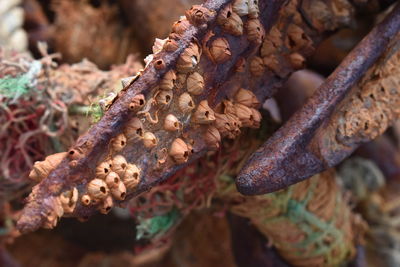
x,y
285,46
159,120
191,106
327,15
374,106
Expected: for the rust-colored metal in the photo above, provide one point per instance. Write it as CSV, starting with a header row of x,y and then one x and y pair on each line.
x,y
94,144
221,82
295,151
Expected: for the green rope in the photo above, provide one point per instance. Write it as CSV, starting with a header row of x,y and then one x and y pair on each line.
x,y
13,88
314,228
94,111
157,225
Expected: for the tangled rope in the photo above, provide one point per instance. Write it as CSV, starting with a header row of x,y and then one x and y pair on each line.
x,y
29,116
43,109
160,211
310,223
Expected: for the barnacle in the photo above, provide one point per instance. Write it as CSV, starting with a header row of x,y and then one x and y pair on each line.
x,y
272,42
255,118
74,154
226,107
257,67
106,205
170,45
297,60
267,48
272,62
103,169
164,97
118,143
185,103
189,59
41,169
131,177
119,191
203,114
68,200
125,82
171,123
244,114
180,26
373,108
54,212
162,157
296,38
86,200
240,65
253,8
158,45
134,130
97,189
212,137
168,81
255,31
220,50
230,21
228,125
119,164
137,102
198,15
159,64
149,140
179,151
195,83
247,98
112,180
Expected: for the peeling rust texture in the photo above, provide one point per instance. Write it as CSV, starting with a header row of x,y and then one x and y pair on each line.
x,y
299,149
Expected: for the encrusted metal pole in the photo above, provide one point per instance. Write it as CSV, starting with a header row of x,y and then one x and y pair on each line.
x,y
201,84
289,156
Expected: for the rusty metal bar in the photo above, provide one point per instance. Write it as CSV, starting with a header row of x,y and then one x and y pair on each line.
x,y
286,158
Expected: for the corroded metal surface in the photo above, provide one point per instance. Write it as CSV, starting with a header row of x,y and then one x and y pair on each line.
x,y
277,40
307,143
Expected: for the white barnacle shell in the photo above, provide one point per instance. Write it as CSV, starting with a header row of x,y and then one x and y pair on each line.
x,y
158,45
